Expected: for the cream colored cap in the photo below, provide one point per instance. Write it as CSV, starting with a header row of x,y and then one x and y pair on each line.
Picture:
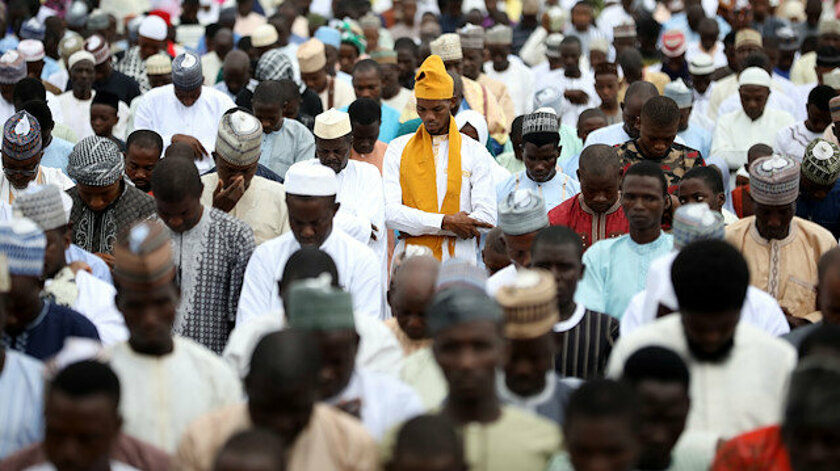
x,y
332,124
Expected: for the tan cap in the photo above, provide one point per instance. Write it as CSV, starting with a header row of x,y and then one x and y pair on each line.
x,y
332,124
311,56
529,304
748,37
264,35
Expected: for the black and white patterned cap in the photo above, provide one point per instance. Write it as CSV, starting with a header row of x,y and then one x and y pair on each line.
x,y
96,161
186,72
544,120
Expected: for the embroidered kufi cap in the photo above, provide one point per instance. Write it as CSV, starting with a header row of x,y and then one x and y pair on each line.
x,y
693,222
95,161
43,205
143,256
821,163
529,304
239,139
186,72
24,245
774,180
21,136
448,47
522,212
311,56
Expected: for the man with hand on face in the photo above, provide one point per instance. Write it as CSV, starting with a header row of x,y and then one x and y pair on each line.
x,y
34,326
438,187
361,213
540,149
103,203
311,200
185,111
594,213
168,380
211,248
616,268
782,250
521,216
22,152
658,126
529,380
235,188
66,285
380,401
732,356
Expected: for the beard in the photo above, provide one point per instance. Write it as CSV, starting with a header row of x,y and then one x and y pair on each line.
x,y
717,356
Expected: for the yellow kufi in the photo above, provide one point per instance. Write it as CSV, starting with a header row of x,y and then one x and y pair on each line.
x,y
432,82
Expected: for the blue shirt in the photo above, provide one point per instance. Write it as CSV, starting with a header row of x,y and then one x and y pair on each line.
x,y
56,154
21,410
8,43
697,138
292,143
44,337
825,212
100,269
50,67
616,269
389,127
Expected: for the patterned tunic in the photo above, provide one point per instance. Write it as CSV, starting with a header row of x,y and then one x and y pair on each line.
x,y
96,231
211,259
584,342
135,67
679,160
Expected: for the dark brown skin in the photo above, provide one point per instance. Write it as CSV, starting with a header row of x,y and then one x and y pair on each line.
x,y
24,303
526,363
601,444
149,316
564,263
80,431
139,163
103,118
643,202
21,172
180,216
753,100
82,75
234,180
311,218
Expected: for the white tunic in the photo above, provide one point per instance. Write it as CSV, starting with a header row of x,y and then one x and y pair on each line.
x,y
46,176
163,113
359,273
735,133
163,395
741,393
792,140
519,81
614,135
75,114
760,309
399,100
478,196
504,277
569,111
776,100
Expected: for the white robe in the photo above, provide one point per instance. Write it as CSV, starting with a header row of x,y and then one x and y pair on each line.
x,y
161,112
478,196
359,273
95,300
792,140
744,392
760,309
161,396
399,100
614,135
735,133
569,111
46,176
75,114
504,277
776,100
519,81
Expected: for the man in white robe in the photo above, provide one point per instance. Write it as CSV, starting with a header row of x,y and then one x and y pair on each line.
x,y
792,140
739,377
167,381
426,207
311,200
518,79
753,123
185,111
49,207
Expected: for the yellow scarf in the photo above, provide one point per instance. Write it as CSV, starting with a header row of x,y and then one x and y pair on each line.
x,y
419,183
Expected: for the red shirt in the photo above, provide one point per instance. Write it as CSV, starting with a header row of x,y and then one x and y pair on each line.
x,y
759,450
589,225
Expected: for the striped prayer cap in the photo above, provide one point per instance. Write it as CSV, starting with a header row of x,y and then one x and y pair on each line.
x,y
12,67
542,120
273,65
96,161
821,163
21,136
529,304
239,139
24,244
186,72
774,180
43,205
693,222
143,256
522,212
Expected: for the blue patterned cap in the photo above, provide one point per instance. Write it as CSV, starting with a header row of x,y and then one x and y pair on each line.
x,y
21,136
24,244
693,222
522,212
12,67
328,36
33,29
186,72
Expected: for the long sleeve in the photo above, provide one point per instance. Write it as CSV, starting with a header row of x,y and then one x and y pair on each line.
x,y
590,290
257,286
144,115
367,284
482,189
722,143
397,215
242,251
305,146
355,225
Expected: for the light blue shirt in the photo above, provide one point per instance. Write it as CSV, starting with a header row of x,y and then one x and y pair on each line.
x,y
616,269
56,154
570,167
390,126
697,138
97,265
292,143
50,67
22,406
8,43
555,191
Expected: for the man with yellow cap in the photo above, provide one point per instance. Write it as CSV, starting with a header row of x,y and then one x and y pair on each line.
x,y
438,187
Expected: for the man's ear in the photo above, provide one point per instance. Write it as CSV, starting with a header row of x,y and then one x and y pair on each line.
x,y
336,207
721,197
582,271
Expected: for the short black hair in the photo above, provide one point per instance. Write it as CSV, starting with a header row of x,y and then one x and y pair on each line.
x,y
285,359
606,68
757,58
428,436
366,65
256,442
308,262
540,139
365,111
406,43
289,90
647,26
87,378
106,98
145,139
590,113
516,127
174,178
41,112
581,3
571,40
820,96
211,30
759,150
641,88
661,111
647,168
827,260
596,159
28,89
824,337
719,268
600,399
729,39
495,242
709,174
557,235
657,364
813,395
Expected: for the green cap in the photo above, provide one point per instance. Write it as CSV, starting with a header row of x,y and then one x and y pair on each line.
x,y
315,304
458,305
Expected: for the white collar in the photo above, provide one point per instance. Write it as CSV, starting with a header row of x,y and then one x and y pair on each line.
x,y
530,402
572,321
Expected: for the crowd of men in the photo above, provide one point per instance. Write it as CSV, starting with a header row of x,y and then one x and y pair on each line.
x,y
417,235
